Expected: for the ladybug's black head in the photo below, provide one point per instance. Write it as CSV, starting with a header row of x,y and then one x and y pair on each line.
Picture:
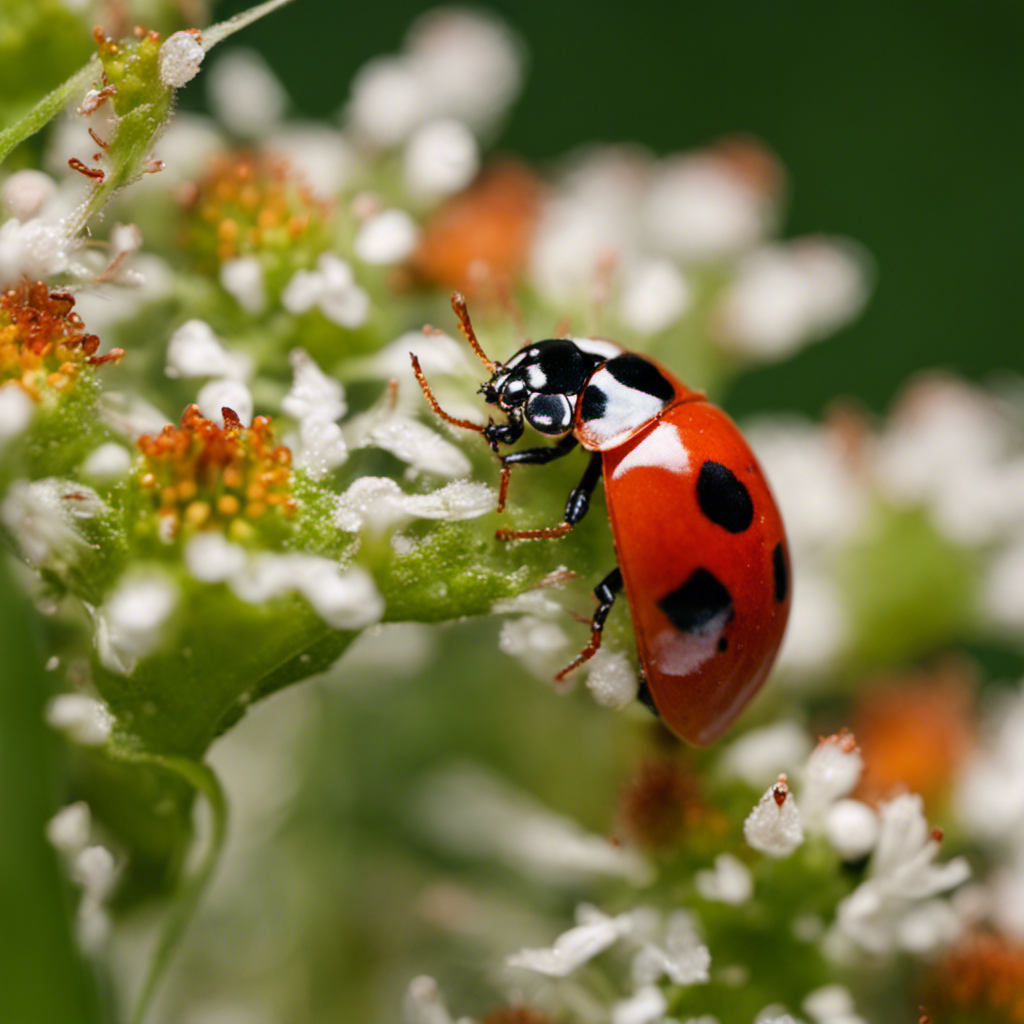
x,y
539,384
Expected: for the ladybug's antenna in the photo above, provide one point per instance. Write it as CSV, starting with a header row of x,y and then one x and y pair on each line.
x,y
466,326
432,401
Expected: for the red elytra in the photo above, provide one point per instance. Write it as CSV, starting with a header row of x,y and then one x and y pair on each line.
x,y
701,546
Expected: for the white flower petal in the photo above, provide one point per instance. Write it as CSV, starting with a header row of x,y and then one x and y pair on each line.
x,y
195,351
242,279
612,680
645,1006
180,56
386,238
244,92
16,411
774,826
730,881
852,828
441,158
84,719
68,830
129,623
574,948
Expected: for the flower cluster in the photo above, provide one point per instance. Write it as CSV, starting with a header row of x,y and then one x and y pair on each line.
x,y
256,495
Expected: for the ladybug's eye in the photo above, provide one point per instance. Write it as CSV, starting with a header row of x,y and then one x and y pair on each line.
x,y
514,392
550,414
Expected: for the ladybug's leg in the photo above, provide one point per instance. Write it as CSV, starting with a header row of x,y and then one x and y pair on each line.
x,y
532,457
606,591
575,508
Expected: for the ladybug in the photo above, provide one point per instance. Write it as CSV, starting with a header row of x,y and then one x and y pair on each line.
x,y
700,542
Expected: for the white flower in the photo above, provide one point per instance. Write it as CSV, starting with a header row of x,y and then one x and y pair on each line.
x,y
68,830
730,881
541,645
682,958
343,598
831,772
902,874
315,400
441,158
180,56
787,294
819,625
612,680
386,238
572,949
852,828
84,719
193,350
129,624
761,754
110,461
386,101
25,193
244,93
320,155
16,411
1002,596
42,515
130,416
225,393
332,289
774,826
831,1004
95,871
211,558
242,279
654,296
379,504
477,815
424,1003
646,1005
36,249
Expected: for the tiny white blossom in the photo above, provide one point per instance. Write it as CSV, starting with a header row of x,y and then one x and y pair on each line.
x,y
343,598
646,1005
84,719
612,680
730,881
681,957
25,193
819,623
193,350
68,830
244,93
94,870
110,461
700,208
1002,596
654,296
787,294
577,946
774,826
242,279
901,875
437,353
761,754
386,238
129,415
42,515
386,103
16,411
129,623
831,1004
225,393
180,56
36,249
332,289
320,155
832,771
211,558
852,828
441,158
379,504
313,392
541,645
424,1003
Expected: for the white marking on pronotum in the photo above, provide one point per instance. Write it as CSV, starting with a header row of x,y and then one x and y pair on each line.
x,y
662,448
596,347
626,410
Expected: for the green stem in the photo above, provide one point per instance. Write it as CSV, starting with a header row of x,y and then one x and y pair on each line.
x,y
47,108
202,778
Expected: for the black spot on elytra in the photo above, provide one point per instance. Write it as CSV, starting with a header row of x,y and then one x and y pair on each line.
x,y
723,644
781,571
633,371
723,498
594,404
694,605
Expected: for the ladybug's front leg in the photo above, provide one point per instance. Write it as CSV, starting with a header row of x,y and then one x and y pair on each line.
x,y
579,497
606,591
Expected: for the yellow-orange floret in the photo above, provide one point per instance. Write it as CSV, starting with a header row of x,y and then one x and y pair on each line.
x,y
43,342
982,977
250,202
204,476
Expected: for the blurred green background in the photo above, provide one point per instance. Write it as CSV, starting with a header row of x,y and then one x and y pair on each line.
x,y
898,123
